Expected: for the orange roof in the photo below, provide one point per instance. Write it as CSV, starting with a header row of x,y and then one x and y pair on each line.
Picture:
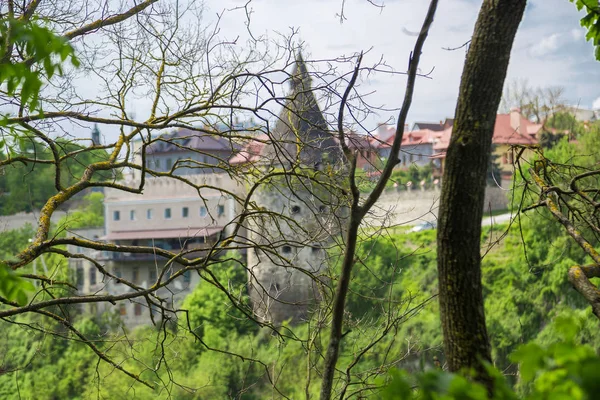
x,y
524,134
420,136
251,151
504,133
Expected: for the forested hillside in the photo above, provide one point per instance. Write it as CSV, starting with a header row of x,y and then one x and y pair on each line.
x,y
526,292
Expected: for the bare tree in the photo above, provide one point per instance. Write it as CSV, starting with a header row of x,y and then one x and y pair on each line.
x,y
193,80
536,104
567,189
358,208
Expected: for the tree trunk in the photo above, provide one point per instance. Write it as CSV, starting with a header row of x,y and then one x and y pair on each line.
x,y
461,205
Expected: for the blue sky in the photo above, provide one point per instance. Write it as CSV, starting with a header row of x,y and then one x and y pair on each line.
x,y
550,48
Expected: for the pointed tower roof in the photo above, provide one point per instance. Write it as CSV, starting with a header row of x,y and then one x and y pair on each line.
x,y
301,132
95,135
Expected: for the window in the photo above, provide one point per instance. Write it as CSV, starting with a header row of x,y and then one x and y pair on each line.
x,y
203,211
220,210
169,164
116,215
137,309
295,209
136,275
157,163
132,215
152,276
79,276
167,213
185,212
149,213
122,309
187,276
92,276
286,249
118,274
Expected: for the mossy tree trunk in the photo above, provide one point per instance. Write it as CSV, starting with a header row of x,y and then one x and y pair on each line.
x,y
463,187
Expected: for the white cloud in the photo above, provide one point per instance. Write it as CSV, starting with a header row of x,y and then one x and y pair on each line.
x,y
596,104
547,45
577,34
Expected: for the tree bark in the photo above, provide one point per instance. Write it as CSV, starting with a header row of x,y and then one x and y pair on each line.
x,y
463,187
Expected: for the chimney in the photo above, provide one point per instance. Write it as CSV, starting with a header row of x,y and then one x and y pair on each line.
x,y
515,120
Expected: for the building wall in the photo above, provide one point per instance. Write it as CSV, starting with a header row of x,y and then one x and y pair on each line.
x,y
278,287
144,274
506,157
416,154
412,154
126,211
158,195
164,161
416,206
88,279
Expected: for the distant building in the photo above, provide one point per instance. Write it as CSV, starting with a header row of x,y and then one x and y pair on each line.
x,y
169,214
433,126
189,152
581,114
96,135
304,216
416,147
509,130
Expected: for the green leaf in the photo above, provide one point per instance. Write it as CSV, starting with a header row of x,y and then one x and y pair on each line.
x,y
531,357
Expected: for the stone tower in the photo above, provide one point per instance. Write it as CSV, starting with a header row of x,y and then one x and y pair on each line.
x,y
299,212
95,135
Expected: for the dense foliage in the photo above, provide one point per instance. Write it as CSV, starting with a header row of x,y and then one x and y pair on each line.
x,y
527,300
26,186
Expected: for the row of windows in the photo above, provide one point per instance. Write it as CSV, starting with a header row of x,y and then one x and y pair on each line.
x,y
79,274
296,209
156,163
137,309
288,249
185,213
135,275
411,159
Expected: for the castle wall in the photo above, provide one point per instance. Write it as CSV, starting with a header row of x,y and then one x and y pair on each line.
x,y
283,281
415,206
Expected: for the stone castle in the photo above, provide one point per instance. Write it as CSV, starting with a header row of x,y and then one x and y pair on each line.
x,y
290,219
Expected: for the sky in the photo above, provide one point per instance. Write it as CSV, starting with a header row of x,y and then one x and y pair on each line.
x,y
549,50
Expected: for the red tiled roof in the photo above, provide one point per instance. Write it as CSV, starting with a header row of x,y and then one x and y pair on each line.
x,y
504,133
443,140
251,152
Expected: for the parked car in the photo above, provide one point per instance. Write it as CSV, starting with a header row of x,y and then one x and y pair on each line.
x,y
424,226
